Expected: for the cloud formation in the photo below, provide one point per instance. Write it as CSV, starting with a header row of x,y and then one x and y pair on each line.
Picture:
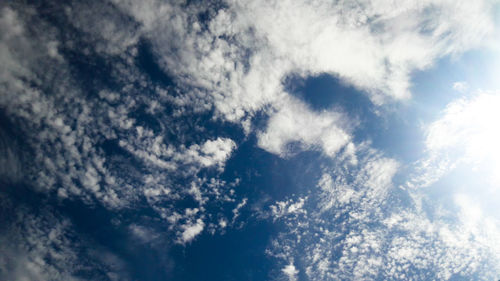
x,y
356,225
102,131
294,122
46,247
464,134
240,55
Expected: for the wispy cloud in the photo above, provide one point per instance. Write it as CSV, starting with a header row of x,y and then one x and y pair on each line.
x,y
357,225
373,45
89,142
11,170
46,247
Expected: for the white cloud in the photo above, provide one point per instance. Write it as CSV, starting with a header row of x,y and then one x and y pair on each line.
x,y
240,56
369,183
236,210
248,48
164,156
212,152
454,248
356,227
283,208
222,223
336,217
143,234
191,231
291,272
235,64
67,127
464,134
294,122
110,31
468,125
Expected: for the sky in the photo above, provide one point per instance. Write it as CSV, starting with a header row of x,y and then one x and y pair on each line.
x,y
249,140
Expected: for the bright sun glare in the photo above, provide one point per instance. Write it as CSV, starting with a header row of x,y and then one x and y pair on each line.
x,y
469,133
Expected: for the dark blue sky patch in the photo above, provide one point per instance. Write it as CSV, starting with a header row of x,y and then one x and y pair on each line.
x,y
92,72
109,230
14,146
239,254
198,128
146,119
390,131
121,161
324,91
209,11
263,174
147,61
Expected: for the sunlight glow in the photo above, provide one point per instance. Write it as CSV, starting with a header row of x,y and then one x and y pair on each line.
x,y
469,133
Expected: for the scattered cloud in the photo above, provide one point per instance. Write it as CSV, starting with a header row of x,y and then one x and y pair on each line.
x,y
96,147
143,234
357,227
191,231
236,210
89,140
283,208
46,247
291,272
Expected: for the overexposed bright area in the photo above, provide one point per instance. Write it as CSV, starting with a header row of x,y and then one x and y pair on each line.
x,y
468,132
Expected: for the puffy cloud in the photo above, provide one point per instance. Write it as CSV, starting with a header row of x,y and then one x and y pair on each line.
x,y
467,124
244,51
191,231
87,140
294,122
290,271
236,62
212,152
240,55
236,210
282,208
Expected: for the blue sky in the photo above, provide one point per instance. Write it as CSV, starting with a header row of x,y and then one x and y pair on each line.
x,y
254,140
